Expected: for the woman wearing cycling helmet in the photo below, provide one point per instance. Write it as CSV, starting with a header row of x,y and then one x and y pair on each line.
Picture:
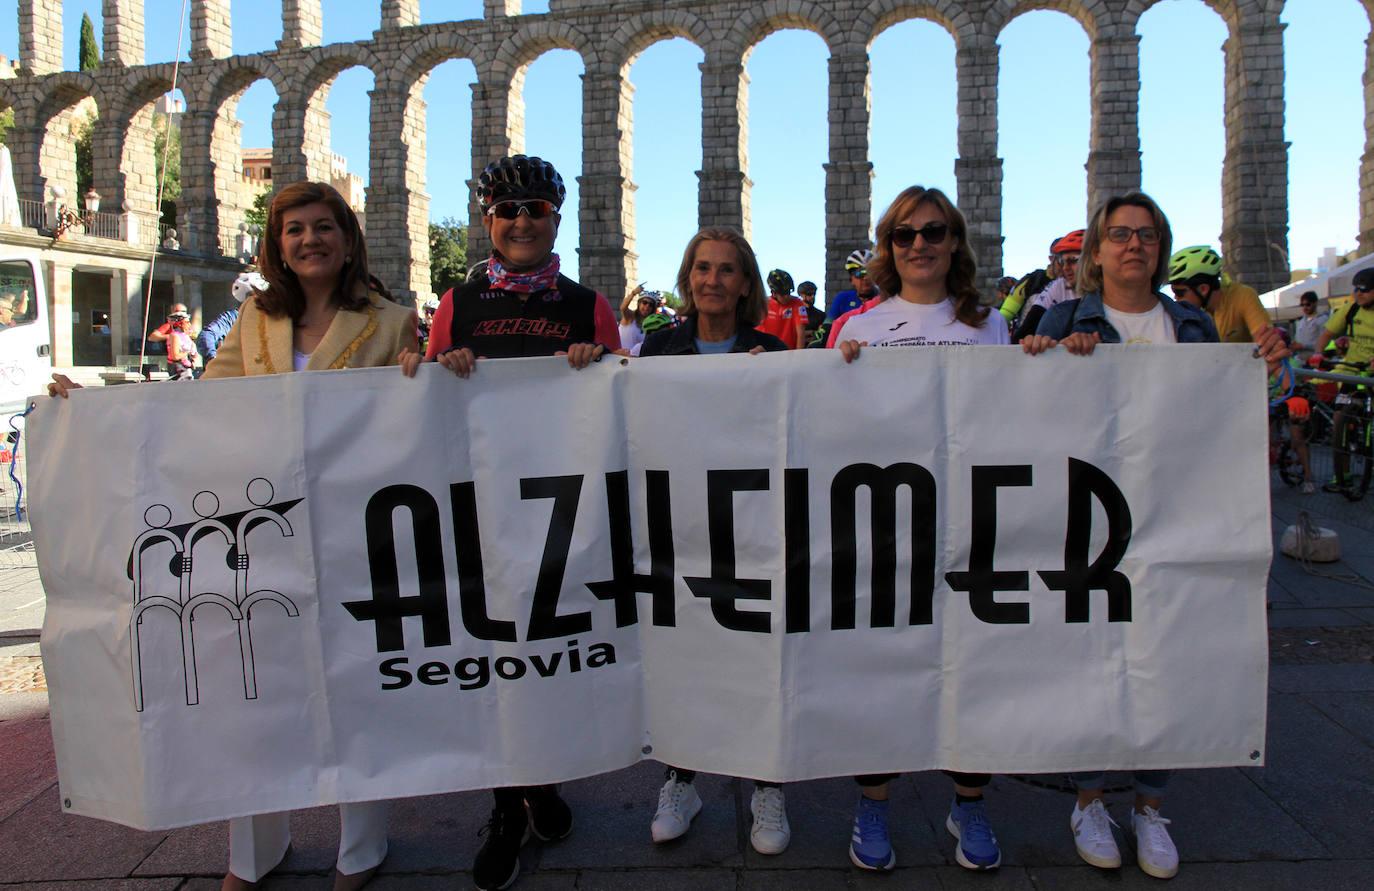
x,y
786,317
722,300
1125,262
924,262
519,304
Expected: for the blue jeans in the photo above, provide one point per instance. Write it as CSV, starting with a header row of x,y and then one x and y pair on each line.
x,y
1148,783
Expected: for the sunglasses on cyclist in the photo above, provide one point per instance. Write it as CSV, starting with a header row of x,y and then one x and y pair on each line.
x,y
1122,234
933,233
509,210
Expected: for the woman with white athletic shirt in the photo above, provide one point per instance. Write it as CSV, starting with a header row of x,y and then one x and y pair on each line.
x,y
923,261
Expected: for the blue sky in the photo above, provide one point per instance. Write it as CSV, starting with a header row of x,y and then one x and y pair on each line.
x,y
1043,126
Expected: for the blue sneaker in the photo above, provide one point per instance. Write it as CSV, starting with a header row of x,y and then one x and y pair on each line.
x,y
870,848
977,848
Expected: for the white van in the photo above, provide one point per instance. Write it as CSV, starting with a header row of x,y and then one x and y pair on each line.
x,y
25,346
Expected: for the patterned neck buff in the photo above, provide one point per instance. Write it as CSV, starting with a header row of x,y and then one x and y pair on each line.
x,y
540,279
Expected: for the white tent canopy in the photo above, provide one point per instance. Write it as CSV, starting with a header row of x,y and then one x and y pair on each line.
x,y
1335,283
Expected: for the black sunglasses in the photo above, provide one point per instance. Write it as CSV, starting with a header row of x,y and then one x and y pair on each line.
x,y
509,210
933,233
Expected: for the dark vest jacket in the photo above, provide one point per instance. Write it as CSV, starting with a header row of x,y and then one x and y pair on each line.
x,y
497,324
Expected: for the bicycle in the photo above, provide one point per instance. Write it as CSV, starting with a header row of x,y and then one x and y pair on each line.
x,y
1355,440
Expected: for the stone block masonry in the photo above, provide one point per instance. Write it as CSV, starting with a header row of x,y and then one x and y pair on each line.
x,y
608,37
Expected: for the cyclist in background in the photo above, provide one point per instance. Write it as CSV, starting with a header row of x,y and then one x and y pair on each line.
x,y
1196,278
1064,253
814,317
863,288
1355,323
786,319
1031,284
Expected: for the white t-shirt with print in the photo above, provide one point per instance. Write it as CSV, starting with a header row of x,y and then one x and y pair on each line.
x,y
1152,326
897,322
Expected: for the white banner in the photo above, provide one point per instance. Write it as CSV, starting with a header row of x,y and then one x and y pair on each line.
x,y
287,591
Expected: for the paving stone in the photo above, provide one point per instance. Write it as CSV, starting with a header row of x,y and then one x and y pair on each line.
x,y
613,813
956,878
1354,712
1355,875
1311,618
198,850
27,768
108,885
659,880
39,842
1319,774
1315,678
790,879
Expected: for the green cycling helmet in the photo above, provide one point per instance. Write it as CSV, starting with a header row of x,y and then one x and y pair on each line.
x,y
1199,261
652,323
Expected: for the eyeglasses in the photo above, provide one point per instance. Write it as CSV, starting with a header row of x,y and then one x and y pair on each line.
x,y
1067,259
1122,234
1361,289
509,210
858,273
933,233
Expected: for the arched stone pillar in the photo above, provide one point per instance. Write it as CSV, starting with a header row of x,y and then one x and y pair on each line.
x,y
1114,153
301,24
723,181
848,173
25,143
108,176
40,37
1367,159
123,32
978,169
607,261
498,129
397,206
198,210
211,30
1254,178
400,14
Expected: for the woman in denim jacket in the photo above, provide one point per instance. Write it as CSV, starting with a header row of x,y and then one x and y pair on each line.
x,y
1124,264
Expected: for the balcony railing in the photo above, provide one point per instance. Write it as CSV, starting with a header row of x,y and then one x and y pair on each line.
x,y
135,227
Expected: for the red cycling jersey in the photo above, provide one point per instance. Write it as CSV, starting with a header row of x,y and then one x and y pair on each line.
x,y
786,321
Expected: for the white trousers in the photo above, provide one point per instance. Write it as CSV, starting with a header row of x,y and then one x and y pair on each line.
x,y
258,843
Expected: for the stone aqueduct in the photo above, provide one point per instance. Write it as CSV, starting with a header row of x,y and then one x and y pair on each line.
x,y
609,37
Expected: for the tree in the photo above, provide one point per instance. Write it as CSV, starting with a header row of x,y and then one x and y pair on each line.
x,y
257,214
89,52
84,129
448,254
6,122
162,135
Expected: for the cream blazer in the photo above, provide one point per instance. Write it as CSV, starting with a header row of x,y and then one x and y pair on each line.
x,y
261,344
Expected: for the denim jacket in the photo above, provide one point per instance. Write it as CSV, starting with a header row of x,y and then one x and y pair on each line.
x,y
1087,315
682,341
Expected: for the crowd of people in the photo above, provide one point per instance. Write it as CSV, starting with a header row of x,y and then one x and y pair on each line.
x,y
318,307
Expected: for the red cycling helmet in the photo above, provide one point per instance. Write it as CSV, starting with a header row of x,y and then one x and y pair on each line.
x,y
1069,244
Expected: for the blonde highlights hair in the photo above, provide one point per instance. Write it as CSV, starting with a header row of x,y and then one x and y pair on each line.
x,y
1090,271
752,306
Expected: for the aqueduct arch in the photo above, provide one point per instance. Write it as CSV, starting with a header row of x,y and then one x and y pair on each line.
x,y
608,37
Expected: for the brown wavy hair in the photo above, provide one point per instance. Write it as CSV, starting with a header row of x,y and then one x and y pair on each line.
x,y
284,296
753,306
961,279
1090,271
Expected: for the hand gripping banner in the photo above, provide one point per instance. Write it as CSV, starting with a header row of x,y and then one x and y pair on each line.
x,y
309,588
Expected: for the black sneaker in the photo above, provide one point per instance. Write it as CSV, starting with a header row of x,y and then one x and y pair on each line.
x,y
1336,487
498,863
550,817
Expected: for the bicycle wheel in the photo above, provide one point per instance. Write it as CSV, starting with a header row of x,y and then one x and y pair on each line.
x,y
1290,469
1361,461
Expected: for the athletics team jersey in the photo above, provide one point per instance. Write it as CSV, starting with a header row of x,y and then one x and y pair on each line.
x,y
783,320
1238,314
500,324
1361,351
897,322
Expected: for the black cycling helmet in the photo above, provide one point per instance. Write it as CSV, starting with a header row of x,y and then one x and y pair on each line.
x,y
806,288
517,178
1363,280
779,282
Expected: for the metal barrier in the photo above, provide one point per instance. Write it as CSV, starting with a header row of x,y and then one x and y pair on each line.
x,y
1321,388
16,533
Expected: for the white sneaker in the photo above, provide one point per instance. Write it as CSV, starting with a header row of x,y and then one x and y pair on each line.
x,y
678,803
771,833
1155,851
1092,835
1308,487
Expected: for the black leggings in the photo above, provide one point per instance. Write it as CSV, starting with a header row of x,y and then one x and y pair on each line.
x,y
972,780
687,776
